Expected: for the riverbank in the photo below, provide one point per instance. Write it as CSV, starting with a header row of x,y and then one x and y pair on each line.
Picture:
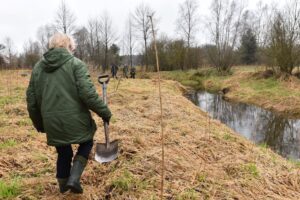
x,y
204,158
247,85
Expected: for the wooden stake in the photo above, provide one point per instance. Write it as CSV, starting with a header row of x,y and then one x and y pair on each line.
x,y
161,115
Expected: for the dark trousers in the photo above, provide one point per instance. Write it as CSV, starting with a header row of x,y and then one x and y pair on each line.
x,y
65,156
114,74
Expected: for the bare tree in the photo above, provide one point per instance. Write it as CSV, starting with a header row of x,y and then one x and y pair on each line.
x,y
65,19
94,43
142,24
9,48
108,36
258,21
261,19
224,27
284,38
91,41
32,53
129,38
2,59
81,38
43,35
187,24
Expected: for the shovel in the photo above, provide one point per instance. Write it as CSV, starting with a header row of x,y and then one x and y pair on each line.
x,y
109,151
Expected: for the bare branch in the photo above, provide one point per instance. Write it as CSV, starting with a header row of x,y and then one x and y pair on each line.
x,y
65,19
108,36
142,24
187,23
224,26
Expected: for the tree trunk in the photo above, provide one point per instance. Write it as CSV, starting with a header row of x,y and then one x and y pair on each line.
x,y
146,54
130,56
105,58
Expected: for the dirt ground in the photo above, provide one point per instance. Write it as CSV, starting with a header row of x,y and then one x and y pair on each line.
x,y
203,158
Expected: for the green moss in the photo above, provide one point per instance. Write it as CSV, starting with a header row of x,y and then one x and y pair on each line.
x,y
207,78
8,143
191,78
4,101
228,137
40,157
263,145
152,197
124,182
9,190
201,177
251,169
189,194
191,83
45,170
127,182
274,159
24,122
19,89
39,189
269,86
260,84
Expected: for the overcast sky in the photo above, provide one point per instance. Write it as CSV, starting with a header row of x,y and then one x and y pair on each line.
x,y
20,19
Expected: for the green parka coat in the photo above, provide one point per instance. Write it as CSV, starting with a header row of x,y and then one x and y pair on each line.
x,y
59,97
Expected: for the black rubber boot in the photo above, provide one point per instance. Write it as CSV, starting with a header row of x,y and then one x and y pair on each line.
x,y
62,183
73,183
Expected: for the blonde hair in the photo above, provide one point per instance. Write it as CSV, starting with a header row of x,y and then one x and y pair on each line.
x,y
60,40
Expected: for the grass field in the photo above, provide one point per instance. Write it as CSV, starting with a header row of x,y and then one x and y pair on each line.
x,y
204,158
246,85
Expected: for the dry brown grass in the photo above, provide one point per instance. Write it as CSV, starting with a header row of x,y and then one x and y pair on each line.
x,y
201,162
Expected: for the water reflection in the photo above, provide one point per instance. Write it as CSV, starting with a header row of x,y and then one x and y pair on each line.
x,y
256,124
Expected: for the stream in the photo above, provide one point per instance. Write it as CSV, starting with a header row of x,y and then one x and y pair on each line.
x,y
280,133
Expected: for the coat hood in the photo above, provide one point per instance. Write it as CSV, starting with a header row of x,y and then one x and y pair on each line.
x,y
55,58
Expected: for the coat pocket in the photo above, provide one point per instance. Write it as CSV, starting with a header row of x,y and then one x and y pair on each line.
x,y
79,122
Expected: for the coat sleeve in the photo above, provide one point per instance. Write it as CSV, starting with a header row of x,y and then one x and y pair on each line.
x,y
33,108
87,92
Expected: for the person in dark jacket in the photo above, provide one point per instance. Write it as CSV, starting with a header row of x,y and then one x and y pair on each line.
x,y
114,70
132,72
59,97
125,71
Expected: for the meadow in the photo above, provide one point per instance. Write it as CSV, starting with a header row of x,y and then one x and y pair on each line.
x,y
204,158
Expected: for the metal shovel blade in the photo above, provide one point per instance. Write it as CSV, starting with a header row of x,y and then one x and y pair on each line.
x,y
104,154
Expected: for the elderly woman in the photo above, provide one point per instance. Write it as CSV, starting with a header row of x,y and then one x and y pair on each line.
x,y
59,97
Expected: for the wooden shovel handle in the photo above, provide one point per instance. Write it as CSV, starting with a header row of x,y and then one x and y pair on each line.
x,y
106,131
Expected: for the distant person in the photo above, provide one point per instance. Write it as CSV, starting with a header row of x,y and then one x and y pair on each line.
x,y
114,70
59,97
132,72
125,71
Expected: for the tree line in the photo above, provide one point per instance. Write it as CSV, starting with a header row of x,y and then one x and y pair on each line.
x,y
266,35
